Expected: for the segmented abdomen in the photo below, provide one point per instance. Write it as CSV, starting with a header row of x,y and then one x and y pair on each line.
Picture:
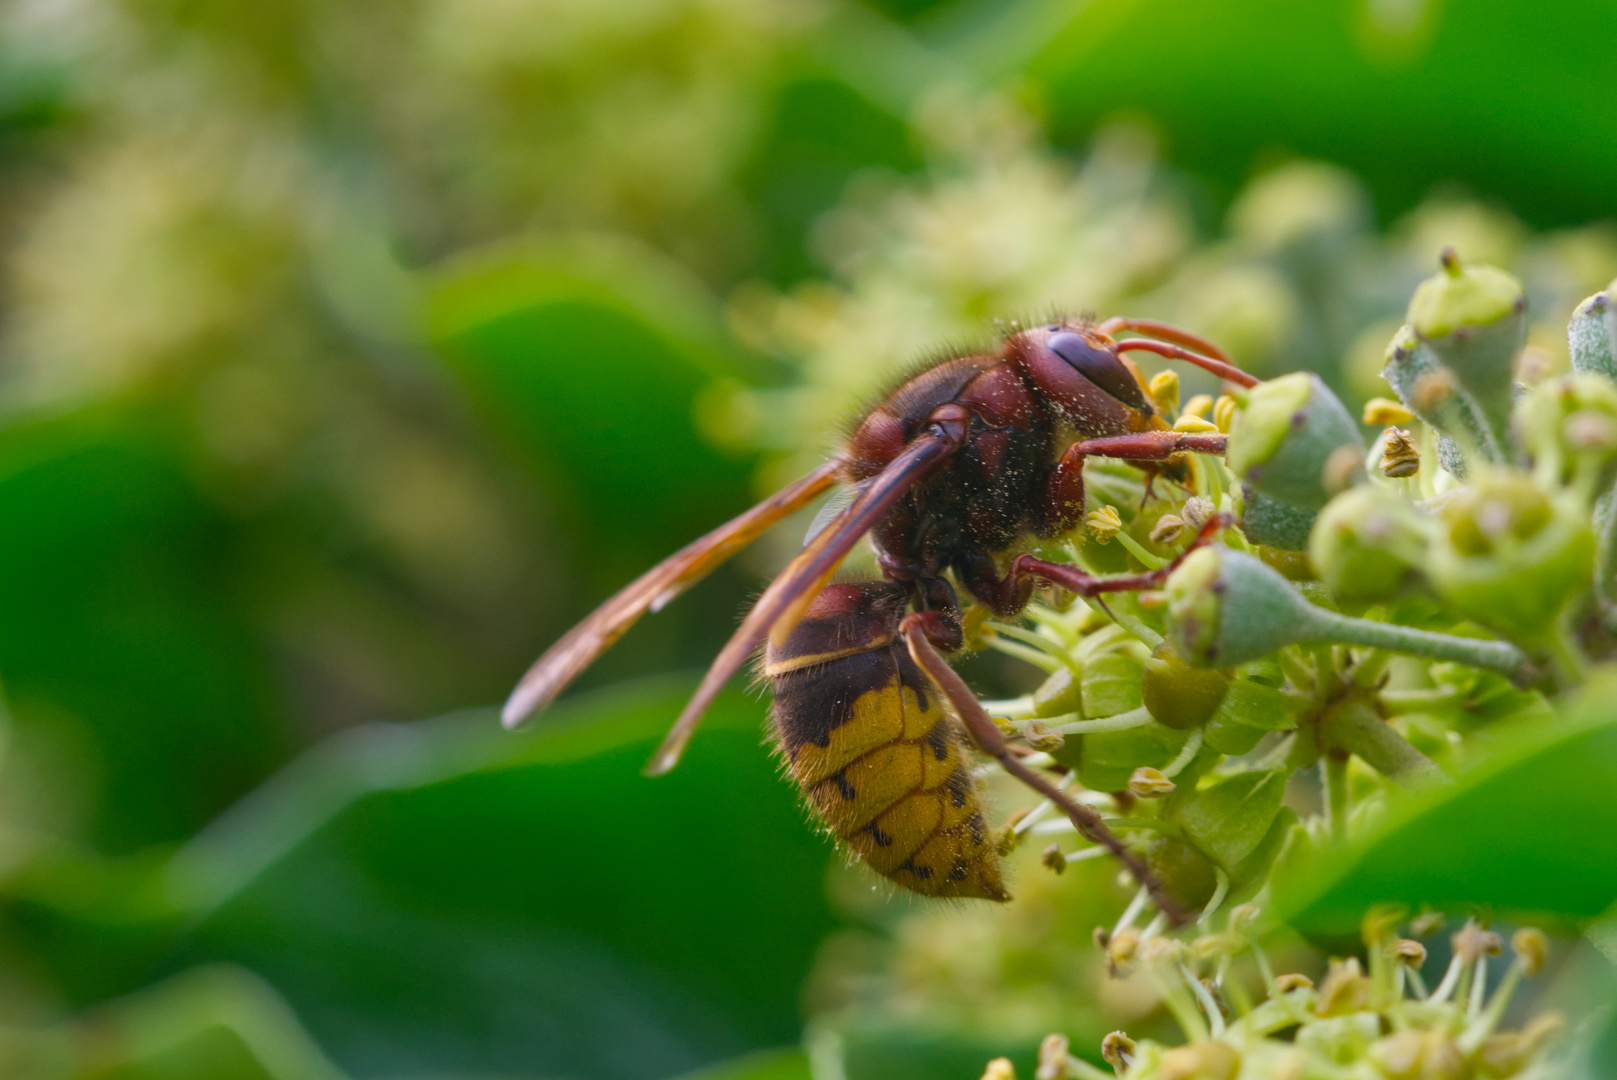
x,y
868,737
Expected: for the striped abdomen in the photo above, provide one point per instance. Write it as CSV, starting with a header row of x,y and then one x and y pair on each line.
x,y
871,741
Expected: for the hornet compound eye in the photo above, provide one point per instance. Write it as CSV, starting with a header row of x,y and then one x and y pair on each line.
x,y
1100,366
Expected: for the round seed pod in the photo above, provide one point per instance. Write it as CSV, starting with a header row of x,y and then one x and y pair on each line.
x,y
1178,695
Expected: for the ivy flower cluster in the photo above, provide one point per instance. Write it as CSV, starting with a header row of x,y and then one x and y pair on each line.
x,y
1372,1021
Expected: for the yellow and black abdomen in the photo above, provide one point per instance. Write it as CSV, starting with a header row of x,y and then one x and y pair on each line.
x,y
869,738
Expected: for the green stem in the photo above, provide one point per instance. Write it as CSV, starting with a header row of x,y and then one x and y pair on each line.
x,y
1123,721
1336,795
1355,727
1500,656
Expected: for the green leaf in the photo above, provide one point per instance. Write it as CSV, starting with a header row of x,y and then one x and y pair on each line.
x,y
1111,685
1228,820
1105,760
1250,710
128,648
886,1051
1360,91
1523,831
587,355
789,1064
448,897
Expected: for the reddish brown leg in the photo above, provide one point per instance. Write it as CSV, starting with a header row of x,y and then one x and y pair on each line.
x,y
1223,369
1064,498
1164,332
1150,445
987,735
1084,583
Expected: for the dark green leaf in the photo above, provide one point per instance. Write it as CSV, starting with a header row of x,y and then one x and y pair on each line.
x,y
1524,831
1228,820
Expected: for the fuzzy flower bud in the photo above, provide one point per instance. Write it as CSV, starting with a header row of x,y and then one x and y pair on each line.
x,y
1592,334
1474,318
1169,528
1227,608
1381,412
1294,445
1283,438
1452,363
1149,783
1118,1051
1054,860
1164,390
1104,524
1531,946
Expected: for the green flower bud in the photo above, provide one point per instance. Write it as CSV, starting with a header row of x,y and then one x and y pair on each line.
x,y
1510,557
1592,334
1474,319
1275,524
1569,426
1434,393
1366,542
1284,441
1178,695
1226,608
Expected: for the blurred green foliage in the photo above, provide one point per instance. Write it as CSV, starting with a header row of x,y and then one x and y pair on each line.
x,y
352,351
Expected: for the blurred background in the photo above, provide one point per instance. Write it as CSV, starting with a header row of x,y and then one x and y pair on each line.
x,y
351,351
